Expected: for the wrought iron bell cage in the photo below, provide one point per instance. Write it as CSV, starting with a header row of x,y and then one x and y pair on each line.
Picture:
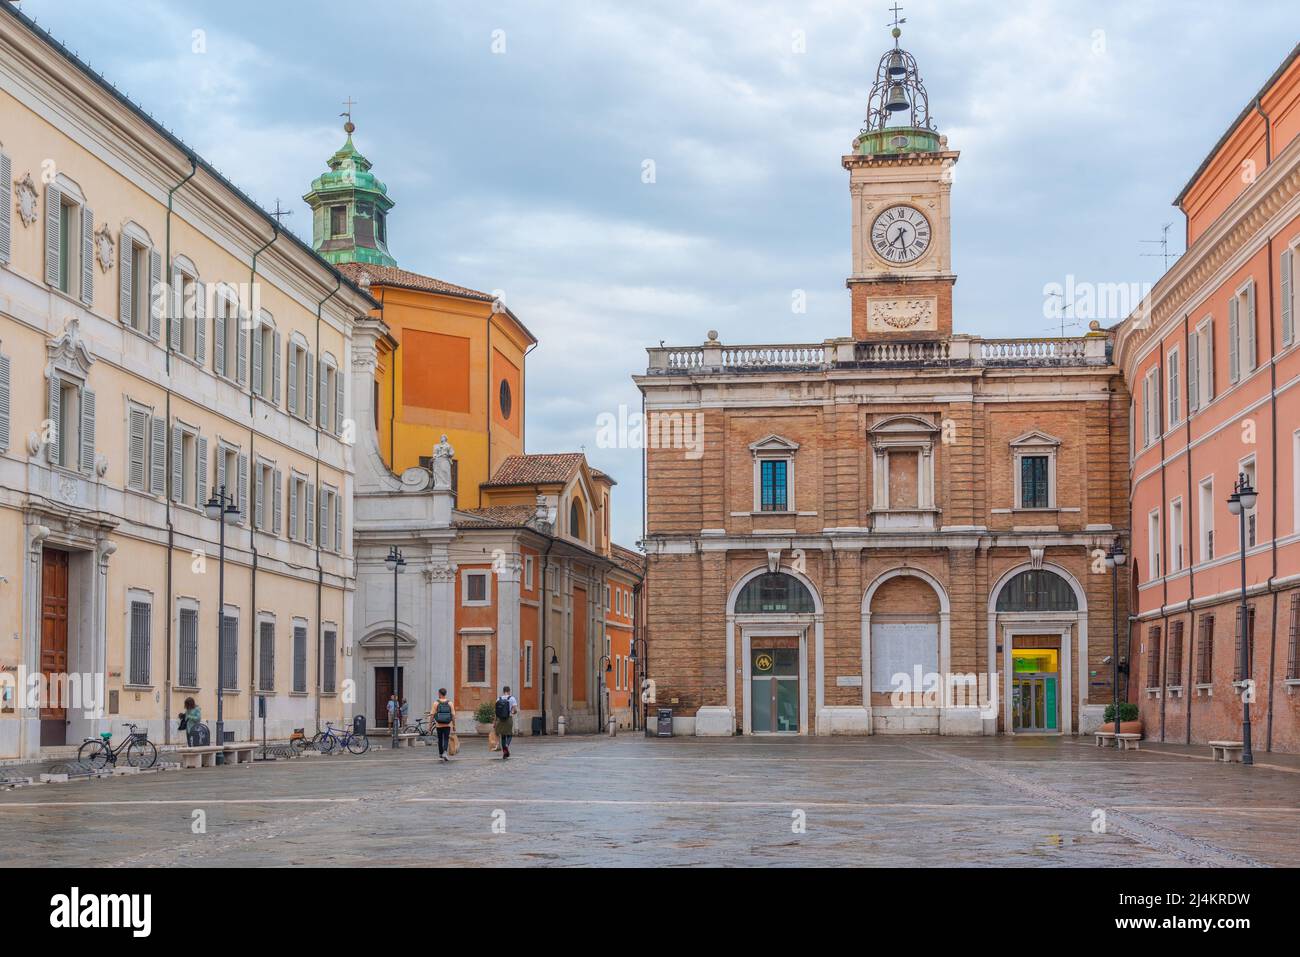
x,y
898,89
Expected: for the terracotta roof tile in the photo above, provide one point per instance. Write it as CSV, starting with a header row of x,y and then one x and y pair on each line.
x,y
495,516
537,469
394,276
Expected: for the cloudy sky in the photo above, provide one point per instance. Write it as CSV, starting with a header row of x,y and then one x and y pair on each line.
x,y
513,136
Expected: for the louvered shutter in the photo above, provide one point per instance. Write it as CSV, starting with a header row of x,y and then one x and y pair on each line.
x,y
219,335
200,322
323,517
338,523
259,497
125,284
293,508
338,402
177,317
243,487
178,463
293,379
1288,293
137,451
5,392
1234,358
1193,373
1146,413
278,480
157,295
275,368
6,207
87,460
56,398
307,398
1249,365
201,472
257,359
53,205
1171,394
323,412
309,511
1209,361
1155,405
158,458
87,257
241,349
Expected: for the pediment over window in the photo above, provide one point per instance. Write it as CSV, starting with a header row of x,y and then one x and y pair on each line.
x,y
903,425
773,443
68,352
1035,439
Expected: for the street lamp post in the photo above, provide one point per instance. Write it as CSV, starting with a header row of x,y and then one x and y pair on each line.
x,y
634,661
1115,559
396,564
602,683
222,509
1241,501
552,669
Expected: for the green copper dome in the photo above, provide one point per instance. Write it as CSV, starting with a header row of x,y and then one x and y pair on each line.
x,y
898,139
350,210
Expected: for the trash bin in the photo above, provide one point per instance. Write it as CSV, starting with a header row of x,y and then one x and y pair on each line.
x,y
664,723
199,736
359,724
537,725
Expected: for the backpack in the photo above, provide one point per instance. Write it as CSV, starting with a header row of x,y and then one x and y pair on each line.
x,y
503,708
442,714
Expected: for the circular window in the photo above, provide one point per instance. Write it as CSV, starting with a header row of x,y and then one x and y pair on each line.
x,y
505,399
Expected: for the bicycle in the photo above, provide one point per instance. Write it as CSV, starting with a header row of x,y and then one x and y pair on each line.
x,y
95,753
420,727
329,739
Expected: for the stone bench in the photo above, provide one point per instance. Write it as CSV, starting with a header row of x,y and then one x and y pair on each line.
x,y
199,756
239,753
1103,738
1227,751
1128,741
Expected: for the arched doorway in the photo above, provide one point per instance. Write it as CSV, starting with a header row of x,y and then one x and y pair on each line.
x,y
774,612
906,651
1038,616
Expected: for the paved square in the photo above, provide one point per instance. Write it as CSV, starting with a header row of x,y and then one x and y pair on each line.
x,y
634,801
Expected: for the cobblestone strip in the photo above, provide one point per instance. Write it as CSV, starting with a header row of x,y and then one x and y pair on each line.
x,y
1194,852
382,798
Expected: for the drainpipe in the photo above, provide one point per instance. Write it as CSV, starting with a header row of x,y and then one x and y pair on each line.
x,y
487,411
1162,547
1272,575
320,570
171,528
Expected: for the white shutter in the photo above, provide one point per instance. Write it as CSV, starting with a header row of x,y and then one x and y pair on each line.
x,y
292,403
201,472
257,358
1234,358
259,497
338,402
1156,429
87,257
311,371
1249,365
157,295
87,431
1209,361
137,455
178,463
222,484
158,458
323,518
241,348
1288,292
5,391
1193,373
53,206
6,207
309,511
219,335
323,412
178,311
1172,392
276,499
243,487
200,322
1146,414
125,285
338,523
275,368
293,508
56,397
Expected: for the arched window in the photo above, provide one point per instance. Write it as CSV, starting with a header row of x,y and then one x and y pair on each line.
x,y
774,593
575,519
1037,590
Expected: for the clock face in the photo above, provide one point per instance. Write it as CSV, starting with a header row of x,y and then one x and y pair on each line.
x,y
900,235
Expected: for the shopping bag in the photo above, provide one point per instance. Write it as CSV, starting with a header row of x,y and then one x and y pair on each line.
x,y
453,745
494,741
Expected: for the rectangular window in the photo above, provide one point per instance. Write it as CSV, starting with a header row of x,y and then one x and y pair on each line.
x,y
1174,663
1151,407
301,379
1207,519
1174,389
329,661
229,651
773,476
300,658
476,588
1205,651
1293,640
528,572
338,220
1252,517
1033,481
141,632
1241,332
266,657
68,228
1176,535
266,362
528,664
1153,544
188,651
476,664
1153,657
1240,674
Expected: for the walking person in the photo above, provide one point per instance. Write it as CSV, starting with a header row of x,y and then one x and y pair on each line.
x,y
506,708
444,719
190,719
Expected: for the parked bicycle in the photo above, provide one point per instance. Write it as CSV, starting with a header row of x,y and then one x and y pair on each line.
x,y
326,741
422,726
96,753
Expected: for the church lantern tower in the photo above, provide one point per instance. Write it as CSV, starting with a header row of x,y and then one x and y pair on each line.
x,y
350,209
900,178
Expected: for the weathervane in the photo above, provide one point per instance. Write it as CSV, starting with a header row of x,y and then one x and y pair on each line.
x,y
349,127
279,213
898,86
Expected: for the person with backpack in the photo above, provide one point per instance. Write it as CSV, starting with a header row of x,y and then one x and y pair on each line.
x,y
443,717
506,708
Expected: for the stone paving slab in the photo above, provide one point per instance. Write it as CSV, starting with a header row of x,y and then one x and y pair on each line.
x,y
633,801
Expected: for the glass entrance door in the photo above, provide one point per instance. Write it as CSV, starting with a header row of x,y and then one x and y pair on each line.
x,y
1033,690
774,690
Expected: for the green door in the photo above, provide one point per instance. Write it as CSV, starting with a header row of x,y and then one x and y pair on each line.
x,y
774,690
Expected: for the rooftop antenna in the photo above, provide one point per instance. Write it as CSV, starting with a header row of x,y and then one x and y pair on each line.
x,y
1163,243
1072,324
349,127
279,213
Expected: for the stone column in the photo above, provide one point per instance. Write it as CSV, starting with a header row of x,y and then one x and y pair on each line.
x,y
441,579
508,575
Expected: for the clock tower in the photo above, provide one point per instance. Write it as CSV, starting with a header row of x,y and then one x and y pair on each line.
x,y
900,178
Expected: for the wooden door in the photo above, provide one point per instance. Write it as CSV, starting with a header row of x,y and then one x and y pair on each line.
x,y
384,688
54,643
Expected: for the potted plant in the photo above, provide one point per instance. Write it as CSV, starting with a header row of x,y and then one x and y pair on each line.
x,y
484,717
1130,721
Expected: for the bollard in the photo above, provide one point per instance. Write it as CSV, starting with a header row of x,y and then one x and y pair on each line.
x,y
613,726
559,725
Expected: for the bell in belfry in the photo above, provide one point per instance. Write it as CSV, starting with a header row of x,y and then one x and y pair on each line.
x,y
896,65
897,98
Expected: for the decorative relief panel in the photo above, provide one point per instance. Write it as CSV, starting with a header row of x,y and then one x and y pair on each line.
x,y
902,315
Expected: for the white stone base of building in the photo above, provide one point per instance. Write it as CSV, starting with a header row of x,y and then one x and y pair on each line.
x,y
683,726
1090,717
713,722
905,720
961,721
844,719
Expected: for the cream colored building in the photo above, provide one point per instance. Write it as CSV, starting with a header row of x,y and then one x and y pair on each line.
x,y
159,338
